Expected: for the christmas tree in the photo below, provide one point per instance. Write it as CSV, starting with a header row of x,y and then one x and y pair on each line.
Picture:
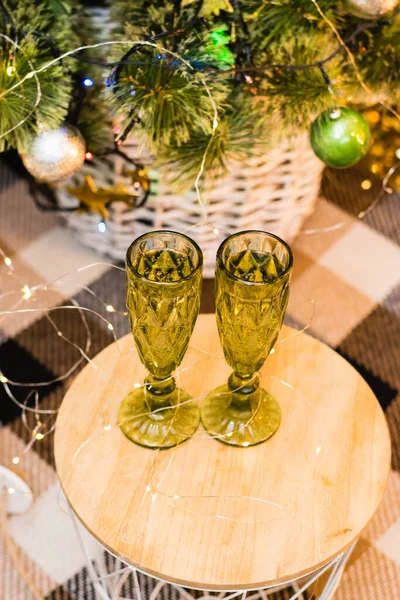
x,y
189,75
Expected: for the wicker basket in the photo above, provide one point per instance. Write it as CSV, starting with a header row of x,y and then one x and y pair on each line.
x,y
274,193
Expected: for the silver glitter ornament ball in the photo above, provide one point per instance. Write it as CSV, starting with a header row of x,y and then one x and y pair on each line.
x,y
56,154
371,9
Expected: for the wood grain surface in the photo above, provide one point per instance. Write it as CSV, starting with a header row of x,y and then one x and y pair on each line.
x,y
216,517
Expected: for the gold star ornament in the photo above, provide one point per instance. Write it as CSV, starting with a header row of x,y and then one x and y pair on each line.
x,y
94,199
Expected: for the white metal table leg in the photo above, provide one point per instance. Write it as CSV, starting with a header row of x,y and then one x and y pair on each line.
x,y
120,584
157,589
100,590
335,577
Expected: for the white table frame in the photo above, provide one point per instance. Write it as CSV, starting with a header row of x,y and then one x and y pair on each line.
x,y
108,585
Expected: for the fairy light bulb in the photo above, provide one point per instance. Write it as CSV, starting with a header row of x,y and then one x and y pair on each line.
x,y
26,292
373,116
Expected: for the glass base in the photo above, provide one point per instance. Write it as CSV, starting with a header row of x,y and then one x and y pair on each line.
x,y
246,425
163,428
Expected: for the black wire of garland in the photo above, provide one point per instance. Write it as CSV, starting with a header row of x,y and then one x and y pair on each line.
x,y
117,65
124,61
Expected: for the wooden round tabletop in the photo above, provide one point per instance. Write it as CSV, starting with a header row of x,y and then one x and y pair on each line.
x,y
211,516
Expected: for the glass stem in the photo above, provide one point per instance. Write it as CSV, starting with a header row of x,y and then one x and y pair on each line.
x,y
159,391
243,388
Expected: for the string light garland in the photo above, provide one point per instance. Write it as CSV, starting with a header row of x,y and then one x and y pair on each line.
x,y
78,53
344,45
43,427
114,65
27,292
28,76
141,43
44,419
210,71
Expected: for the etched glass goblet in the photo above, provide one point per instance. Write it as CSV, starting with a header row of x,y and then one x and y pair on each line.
x,y
252,291
164,278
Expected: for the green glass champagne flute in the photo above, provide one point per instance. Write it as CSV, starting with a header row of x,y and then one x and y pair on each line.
x,y
164,278
252,291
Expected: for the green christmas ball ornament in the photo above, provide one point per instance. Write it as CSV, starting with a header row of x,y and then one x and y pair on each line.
x,y
340,137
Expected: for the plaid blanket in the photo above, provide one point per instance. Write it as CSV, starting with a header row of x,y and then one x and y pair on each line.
x,y
353,276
